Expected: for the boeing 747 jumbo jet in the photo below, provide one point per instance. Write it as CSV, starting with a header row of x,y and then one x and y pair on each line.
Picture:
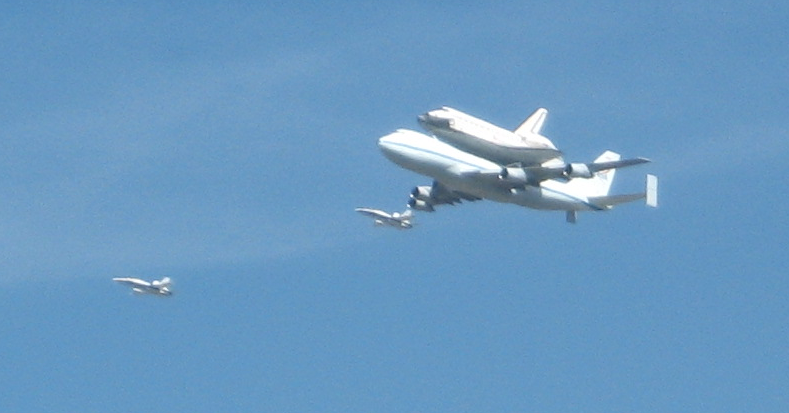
x,y
157,287
540,181
394,220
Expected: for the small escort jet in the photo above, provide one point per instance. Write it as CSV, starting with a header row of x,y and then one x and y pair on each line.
x,y
395,220
156,287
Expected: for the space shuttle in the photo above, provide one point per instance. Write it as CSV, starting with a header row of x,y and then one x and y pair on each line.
x,y
525,146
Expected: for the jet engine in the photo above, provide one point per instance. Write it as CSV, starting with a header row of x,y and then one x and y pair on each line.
x,y
421,193
516,176
420,205
577,170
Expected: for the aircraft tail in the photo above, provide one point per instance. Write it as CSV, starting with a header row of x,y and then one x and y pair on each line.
x,y
650,193
600,183
533,124
164,282
530,130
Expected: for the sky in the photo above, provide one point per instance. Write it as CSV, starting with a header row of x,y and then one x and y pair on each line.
x,y
226,144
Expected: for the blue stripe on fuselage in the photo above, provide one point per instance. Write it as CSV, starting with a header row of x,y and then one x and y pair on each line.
x,y
442,155
590,205
453,159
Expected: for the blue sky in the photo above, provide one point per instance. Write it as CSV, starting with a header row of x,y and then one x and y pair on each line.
x,y
226,145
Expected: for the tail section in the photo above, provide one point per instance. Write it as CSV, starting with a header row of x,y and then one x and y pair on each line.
x,y
651,191
605,178
530,130
600,183
533,124
164,282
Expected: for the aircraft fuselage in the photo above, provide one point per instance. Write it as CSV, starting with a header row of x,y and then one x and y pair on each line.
x,y
460,171
476,136
139,286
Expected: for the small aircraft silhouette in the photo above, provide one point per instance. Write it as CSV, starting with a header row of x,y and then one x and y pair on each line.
x,y
395,219
156,287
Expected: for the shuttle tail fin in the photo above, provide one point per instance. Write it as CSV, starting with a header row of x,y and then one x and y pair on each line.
x,y
533,124
530,131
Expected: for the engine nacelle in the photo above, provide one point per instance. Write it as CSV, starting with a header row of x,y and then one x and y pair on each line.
x,y
516,176
577,170
420,205
421,193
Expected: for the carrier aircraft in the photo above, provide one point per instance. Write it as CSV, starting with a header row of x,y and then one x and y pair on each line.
x,y
522,168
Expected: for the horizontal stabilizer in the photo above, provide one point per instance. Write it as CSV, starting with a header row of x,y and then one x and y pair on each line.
x,y
602,166
611,200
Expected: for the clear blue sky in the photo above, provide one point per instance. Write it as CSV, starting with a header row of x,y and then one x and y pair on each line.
x,y
226,145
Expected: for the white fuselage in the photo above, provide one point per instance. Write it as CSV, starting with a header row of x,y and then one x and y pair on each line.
x,y
459,170
139,286
487,140
381,218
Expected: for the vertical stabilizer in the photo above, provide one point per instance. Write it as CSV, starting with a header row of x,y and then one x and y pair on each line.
x,y
533,124
605,178
652,187
600,183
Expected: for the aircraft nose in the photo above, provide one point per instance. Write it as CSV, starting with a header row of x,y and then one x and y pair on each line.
x,y
391,145
432,120
385,145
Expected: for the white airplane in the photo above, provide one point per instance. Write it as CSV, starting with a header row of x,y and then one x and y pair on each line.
x,y
460,175
156,287
525,145
395,220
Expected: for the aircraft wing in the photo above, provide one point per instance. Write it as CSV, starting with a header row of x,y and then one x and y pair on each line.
x,y
424,198
133,282
579,170
611,200
516,176
373,213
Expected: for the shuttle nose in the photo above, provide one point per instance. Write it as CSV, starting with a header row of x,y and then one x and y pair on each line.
x,y
431,120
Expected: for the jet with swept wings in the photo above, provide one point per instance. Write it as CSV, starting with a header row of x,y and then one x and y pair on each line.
x,y
464,168
161,288
394,220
